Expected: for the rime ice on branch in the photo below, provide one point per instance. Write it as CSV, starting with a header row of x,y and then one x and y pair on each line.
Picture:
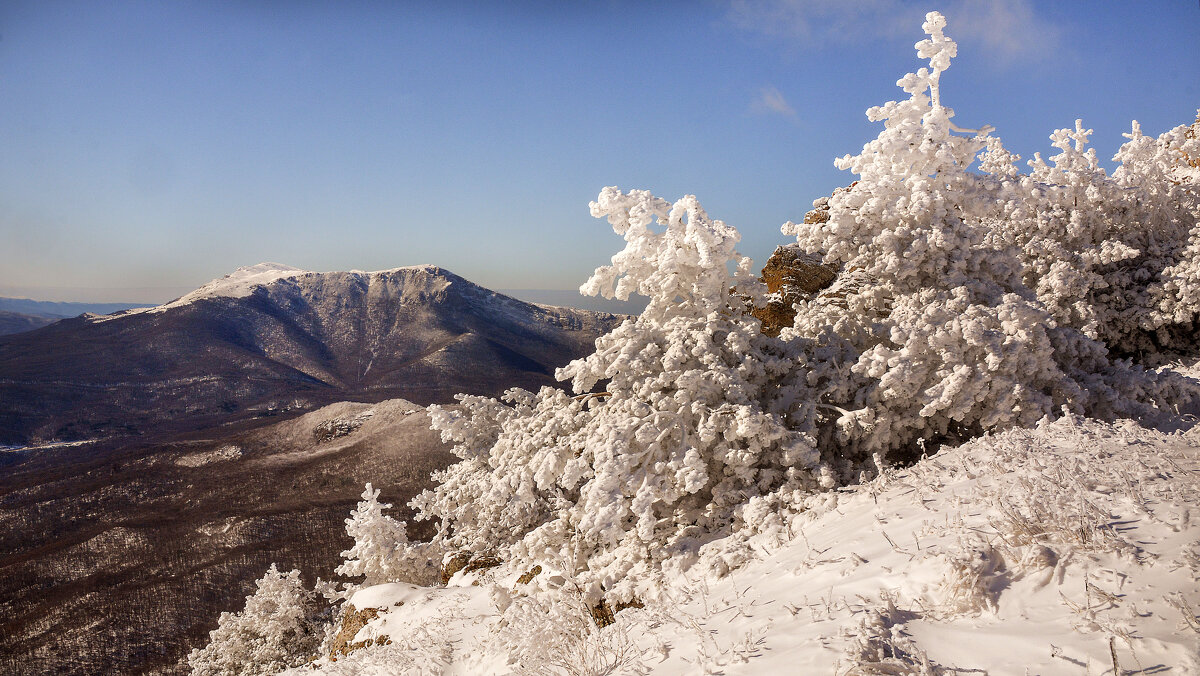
x,y
966,317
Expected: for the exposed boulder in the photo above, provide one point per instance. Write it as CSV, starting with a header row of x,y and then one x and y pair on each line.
x,y
335,428
791,275
467,562
352,621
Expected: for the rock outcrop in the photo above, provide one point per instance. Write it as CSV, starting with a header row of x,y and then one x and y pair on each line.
x,y
791,276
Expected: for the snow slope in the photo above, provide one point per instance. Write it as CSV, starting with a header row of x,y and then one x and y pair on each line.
x,y
1055,550
239,283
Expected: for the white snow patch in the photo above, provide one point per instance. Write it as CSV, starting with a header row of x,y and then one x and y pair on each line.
x,y
221,454
48,445
239,283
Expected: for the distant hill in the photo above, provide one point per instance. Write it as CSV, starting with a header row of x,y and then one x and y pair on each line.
x,y
269,338
56,310
16,322
572,298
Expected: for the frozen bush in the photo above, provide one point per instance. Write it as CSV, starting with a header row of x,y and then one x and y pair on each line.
x,y
275,630
977,300
381,551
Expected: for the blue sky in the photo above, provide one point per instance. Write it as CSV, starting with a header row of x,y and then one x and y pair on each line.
x,y
149,147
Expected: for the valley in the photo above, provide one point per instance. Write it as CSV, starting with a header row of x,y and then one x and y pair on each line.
x,y
117,556
158,460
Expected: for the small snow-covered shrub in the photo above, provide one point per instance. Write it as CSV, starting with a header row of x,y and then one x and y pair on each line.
x,y
974,577
552,633
879,645
381,551
275,630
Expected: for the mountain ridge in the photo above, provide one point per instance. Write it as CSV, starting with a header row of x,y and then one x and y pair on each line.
x,y
61,310
19,322
268,338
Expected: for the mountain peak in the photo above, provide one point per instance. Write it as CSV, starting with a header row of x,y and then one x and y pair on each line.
x,y
240,282
429,268
262,268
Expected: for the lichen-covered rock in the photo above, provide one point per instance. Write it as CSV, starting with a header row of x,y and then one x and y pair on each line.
x,y
603,614
467,563
352,621
790,271
528,576
1192,132
454,563
481,563
791,275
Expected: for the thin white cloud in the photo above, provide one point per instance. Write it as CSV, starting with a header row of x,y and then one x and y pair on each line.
x,y
812,20
770,100
1006,31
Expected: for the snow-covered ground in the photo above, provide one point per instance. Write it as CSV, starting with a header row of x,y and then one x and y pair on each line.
x,y
1056,550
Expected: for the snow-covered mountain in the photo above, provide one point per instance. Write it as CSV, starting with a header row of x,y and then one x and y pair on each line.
x,y
269,337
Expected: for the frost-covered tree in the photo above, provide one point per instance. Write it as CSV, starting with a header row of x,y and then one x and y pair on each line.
x,y
483,519
1096,249
956,345
614,485
1069,231
381,551
956,333
1162,178
276,630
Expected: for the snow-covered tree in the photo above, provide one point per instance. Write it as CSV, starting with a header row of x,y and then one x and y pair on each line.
x,y
276,630
1162,178
466,495
1096,249
614,485
381,551
961,323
